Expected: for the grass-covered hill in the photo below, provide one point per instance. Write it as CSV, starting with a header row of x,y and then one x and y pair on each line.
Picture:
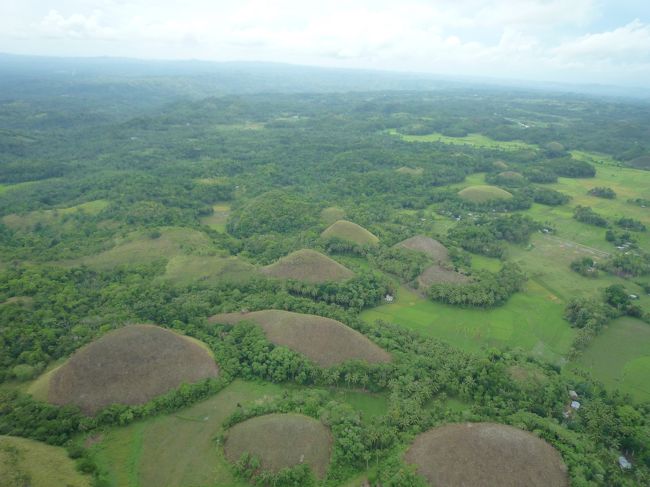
x,y
308,266
323,340
483,193
351,232
131,365
486,454
281,441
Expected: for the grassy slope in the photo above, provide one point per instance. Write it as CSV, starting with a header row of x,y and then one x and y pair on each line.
x,y
178,450
483,193
281,441
49,217
350,231
325,341
185,269
309,266
31,463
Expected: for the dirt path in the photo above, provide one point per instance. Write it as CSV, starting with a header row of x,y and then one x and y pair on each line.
x,y
572,244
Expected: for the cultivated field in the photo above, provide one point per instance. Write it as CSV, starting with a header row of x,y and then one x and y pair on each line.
x,y
486,455
309,266
219,218
325,341
280,441
131,365
350,232
620,357
428,246
531,320
28,463
483,193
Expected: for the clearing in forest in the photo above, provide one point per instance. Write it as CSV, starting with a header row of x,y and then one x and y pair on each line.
x,y
483,193
308,266
131,365
350,232
186,269
325,341
217,221
31,463
281,441
486,454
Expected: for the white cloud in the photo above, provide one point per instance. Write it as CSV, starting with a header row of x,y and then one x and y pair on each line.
x,y
524,38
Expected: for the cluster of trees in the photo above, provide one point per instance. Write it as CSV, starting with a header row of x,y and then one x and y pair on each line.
x,y
602,192
485,235
404,263
489,289
620,239
631,224
585,214
548,196
585,266
628,264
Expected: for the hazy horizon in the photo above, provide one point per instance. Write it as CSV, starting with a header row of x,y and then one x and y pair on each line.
x,y
577,42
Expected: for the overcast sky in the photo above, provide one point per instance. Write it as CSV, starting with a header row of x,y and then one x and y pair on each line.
x,y
587,41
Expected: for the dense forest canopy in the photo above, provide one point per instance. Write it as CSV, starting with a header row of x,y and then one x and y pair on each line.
x,y
157,192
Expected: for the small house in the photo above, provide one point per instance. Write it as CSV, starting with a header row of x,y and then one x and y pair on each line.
x,y
624,463
575,405
389,298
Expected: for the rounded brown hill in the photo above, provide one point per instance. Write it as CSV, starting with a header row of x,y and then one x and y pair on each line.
x,y
486,454
325,341
351,232
428,246
131,365
280,441
438,274
308,266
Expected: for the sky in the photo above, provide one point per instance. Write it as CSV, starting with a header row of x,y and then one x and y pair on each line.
x,y
577,41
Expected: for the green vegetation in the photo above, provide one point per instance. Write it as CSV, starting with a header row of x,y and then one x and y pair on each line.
x,y
481,281
26,462
483,193
349,232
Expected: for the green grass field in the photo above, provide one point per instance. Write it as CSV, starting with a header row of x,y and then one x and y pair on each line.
x,y
532,320
218,220
475,140
620,357
28,463
49,217
484,193
178,450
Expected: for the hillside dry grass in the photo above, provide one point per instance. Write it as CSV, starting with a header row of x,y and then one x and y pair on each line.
x,y
475,140
437,274
141,247
325,341
131,365
308,266
428,246
187,269
486,455
483,193
217,221
350,232
281,441
29,463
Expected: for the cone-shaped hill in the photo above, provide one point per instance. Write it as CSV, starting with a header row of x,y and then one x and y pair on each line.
x,y
308,266
325,341
350,232
485,455
131,365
